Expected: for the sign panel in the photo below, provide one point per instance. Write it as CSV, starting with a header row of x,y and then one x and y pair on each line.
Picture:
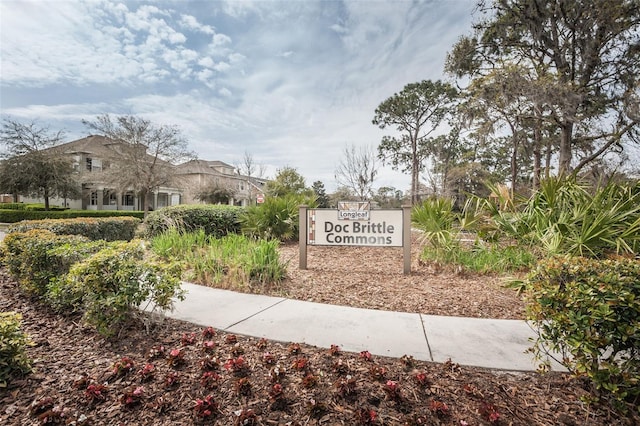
x,y
260,198
383,229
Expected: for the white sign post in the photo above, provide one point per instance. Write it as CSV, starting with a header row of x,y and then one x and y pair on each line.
x,y
381,228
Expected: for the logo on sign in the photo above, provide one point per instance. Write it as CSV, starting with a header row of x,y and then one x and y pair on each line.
x,y
353,210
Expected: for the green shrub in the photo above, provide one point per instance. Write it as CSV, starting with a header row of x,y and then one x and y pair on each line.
x,y
115,281
40,207
436,219
29,259
13,206
108,229
13,216
216,220
588,311
62,298
564,217
276,218
13,344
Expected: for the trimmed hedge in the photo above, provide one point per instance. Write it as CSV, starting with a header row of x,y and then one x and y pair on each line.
x,y
13,344
589,311
28,258
107,281
13,206
13,216
108,229
31,206
215,220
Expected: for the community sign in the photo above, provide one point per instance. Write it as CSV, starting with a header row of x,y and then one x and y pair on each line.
x,y
383,228
355,224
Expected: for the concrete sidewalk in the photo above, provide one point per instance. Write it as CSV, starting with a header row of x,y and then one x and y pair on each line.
x,y
499,344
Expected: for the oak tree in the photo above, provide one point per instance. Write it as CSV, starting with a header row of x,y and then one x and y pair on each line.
x,y
32,166
583,56
144,153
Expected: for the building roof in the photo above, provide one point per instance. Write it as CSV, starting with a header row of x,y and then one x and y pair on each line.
x,y
92,144
205,167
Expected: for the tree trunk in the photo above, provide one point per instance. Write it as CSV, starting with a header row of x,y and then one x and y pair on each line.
x,y
145,202
537,148
566,137
46,200
415,170
514,159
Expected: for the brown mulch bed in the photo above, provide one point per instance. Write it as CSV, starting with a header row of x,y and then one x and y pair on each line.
x,y
371,277
315,385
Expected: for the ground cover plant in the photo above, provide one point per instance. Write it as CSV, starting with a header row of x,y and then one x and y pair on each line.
x,y
181,374
232,261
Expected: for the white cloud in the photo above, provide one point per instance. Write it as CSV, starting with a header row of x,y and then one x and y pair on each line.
x,y
206,62
221,76
221,66
220,40
190,22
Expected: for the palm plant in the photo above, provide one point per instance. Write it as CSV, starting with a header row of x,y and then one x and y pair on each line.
x,y
565,217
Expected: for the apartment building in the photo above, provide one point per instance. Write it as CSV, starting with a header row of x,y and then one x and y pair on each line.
x,y
95,159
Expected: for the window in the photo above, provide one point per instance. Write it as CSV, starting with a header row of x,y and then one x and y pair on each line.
x,y
93,199
89,163
109,197
127,199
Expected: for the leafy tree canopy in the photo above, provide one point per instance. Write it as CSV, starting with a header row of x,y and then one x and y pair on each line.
x,y
32,166
416,113
287,181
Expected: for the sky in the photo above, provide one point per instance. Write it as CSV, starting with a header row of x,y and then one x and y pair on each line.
x,y
291,83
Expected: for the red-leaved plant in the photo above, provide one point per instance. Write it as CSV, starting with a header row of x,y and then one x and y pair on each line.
x,y
378,373
208,333
310,380
237,366
268,358
209,363
365,355
156,351
206,407
175,358
132,397
210,379
209,345
334,350
300,364
172,379
188,339
345,386
421,379
392,389
95,392
123,366
489,412
439,408
147,372
243,386
363,416
294,349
